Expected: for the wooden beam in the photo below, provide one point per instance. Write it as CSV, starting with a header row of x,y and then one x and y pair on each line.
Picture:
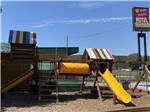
x,y
57,74
141,78
146,68
82,85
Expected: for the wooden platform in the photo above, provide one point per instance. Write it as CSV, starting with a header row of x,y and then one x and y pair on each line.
x,y
25,53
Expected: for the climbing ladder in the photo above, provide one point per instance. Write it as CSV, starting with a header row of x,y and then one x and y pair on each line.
x,y
48,81
106,92
101,87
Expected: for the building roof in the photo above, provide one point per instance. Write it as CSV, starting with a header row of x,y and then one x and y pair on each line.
x,y
5,48
99,54
57,50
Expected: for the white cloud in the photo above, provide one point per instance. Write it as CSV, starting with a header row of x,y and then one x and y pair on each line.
x,y
95,20
42,25
82,21
112,19
89,4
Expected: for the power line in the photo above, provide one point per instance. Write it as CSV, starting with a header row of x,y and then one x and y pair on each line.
x,y
90,36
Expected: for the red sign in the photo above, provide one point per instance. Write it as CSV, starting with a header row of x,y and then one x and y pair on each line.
x,y
140,19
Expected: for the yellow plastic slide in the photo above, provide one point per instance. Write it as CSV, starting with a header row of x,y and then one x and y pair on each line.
x,y
116,87
17,81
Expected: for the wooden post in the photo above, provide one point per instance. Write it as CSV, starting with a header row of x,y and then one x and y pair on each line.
x,y
139,81
146,68
98,90
82,85
95,79
95,82
114,99
98,87
56,74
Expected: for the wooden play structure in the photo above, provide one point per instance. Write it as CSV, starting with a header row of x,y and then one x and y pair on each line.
x,y
23,45
95,62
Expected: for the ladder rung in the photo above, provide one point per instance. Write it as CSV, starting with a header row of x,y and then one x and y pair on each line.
x,y
46,73
48,85
68,85
46,95
47,76
41,72
48,100
46,81
47,90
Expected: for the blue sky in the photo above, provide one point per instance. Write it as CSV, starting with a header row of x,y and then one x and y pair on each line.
x,y
87,24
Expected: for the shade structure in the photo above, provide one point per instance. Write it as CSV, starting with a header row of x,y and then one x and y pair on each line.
x,y
74,68
98,54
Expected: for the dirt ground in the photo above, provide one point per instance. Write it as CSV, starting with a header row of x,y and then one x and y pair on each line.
x,y
25,102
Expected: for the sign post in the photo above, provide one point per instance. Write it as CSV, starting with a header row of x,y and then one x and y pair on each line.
x,y
141,24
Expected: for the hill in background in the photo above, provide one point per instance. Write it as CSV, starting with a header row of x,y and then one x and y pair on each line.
x,y
130,61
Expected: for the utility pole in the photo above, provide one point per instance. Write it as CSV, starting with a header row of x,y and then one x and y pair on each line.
x,y
67,46
1,10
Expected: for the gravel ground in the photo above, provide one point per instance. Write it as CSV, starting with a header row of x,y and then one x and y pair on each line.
x,y
23,102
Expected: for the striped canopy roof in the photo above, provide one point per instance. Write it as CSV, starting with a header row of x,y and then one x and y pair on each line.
x,y
22,37
100,54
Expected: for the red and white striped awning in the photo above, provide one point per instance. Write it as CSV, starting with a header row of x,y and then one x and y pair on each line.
x,y
97,53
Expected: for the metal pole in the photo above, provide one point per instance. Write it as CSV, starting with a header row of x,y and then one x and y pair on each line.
x,y
56,54
142,35
67,46
145,49
139,47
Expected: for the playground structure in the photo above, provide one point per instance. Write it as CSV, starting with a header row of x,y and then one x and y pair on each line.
x,y
98,63
23,46
95,62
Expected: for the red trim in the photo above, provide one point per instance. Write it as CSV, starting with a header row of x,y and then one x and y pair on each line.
x,y
34,35
17,37
95,54
34,38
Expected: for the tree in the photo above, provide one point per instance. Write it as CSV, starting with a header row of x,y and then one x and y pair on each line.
x,y
132,59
